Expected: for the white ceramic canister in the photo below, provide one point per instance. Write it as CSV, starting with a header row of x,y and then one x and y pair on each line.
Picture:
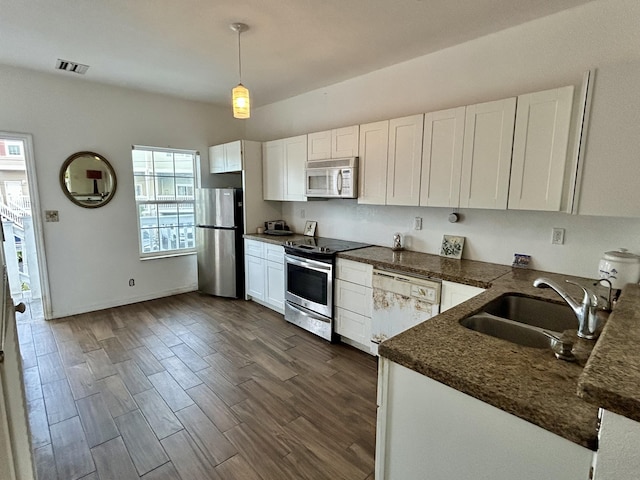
x,y
620,267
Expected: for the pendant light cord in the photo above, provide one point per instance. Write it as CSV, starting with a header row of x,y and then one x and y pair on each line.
x,y
239,57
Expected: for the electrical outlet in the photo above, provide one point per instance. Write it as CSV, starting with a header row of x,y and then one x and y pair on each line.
x,y
557,236
303,213
51,216
132,282
417,223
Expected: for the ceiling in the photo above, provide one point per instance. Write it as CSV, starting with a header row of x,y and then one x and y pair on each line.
x,y
186,48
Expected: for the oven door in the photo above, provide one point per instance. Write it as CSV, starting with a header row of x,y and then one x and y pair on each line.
x,y
309,284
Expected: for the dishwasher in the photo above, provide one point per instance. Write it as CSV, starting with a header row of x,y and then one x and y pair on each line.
x,y
400,302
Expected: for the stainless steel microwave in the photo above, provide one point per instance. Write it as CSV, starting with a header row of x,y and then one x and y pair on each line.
x,y
334,178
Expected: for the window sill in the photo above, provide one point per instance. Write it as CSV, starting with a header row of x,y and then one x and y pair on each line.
x,y
157,256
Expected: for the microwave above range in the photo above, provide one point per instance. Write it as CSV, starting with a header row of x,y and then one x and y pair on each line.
x,y
335,178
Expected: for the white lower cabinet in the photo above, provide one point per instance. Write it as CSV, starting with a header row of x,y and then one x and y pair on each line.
x,y
453,294
354,302
618,445
264,274
429,431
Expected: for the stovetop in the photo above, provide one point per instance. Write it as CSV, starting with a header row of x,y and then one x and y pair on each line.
x,y
322,246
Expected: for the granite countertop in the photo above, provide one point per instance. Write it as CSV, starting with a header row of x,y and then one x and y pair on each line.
x,y
527,382
611,378
274,239
530,383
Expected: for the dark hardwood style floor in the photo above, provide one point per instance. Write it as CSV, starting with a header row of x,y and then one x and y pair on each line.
x,y
195,387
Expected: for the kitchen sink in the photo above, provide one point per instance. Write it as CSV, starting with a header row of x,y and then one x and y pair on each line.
x,y
531,311
509,330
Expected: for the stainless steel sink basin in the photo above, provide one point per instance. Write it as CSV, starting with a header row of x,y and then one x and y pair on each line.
x,y
531,311
509,330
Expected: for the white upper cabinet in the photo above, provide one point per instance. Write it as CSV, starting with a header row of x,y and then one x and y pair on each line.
x,y
344,142
337,143
295,159
372,167
273,170
405,160
226,157
543,121
283,164
486,156
442,158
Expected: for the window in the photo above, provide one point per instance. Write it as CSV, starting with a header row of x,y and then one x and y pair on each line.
x,y
13,150
164,183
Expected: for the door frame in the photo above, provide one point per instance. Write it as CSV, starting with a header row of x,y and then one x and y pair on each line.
x,y
36,214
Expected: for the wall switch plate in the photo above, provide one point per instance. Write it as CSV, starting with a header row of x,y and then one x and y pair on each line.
x,y
557,236
417,223
51,216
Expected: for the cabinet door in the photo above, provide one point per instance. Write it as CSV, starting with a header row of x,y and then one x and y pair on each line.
x,y
405,160
255,275
216,159
274,280
233,156
486,155
372,168
273,170
319,145
442,158
541,138
353,326
355,298
354,272
452,294
344,142
295,159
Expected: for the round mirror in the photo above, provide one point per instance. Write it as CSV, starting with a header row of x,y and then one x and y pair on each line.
x,y
88,179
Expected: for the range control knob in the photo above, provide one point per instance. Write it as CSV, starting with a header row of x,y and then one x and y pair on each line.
x,y
289,243
324,249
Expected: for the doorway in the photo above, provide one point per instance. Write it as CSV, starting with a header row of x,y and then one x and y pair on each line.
x,y
21,226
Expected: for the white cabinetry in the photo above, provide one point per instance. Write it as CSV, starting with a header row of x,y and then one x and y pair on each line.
x,y
354,301
283,168
453,294
486,156
372,169
618,445
405,160
226,157
442,158
336,143
541,138
264,274
428,430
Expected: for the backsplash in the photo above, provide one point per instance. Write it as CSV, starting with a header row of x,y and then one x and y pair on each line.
x,y
491,235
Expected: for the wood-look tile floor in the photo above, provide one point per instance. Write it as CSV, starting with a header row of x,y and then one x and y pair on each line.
x,y
195,387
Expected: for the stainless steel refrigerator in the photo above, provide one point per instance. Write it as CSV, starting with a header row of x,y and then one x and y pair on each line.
x,y
219,241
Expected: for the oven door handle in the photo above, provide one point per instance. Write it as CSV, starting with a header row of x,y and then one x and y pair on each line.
x,y
320,267
308,313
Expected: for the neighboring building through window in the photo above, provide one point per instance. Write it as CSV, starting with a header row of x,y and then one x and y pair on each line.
x,y
164,182
13,149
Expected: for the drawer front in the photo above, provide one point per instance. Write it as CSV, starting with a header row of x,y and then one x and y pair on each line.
x,y
274,253
355,298
254,248
353,326
354,272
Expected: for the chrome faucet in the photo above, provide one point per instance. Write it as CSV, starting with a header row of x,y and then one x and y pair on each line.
x,y
585,311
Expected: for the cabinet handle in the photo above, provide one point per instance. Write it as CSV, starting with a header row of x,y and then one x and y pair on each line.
x,y
21,307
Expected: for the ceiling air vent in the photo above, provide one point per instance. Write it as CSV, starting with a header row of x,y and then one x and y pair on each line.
x,y
68,66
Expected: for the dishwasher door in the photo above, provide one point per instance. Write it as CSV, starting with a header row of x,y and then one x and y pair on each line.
x,y
401,302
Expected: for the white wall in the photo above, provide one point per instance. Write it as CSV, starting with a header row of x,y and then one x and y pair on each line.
x,y
92,253
545,53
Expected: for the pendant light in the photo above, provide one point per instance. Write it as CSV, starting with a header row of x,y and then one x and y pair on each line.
x,y
240,94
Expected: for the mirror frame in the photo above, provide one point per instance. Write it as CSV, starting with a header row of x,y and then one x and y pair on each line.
x,y
109,168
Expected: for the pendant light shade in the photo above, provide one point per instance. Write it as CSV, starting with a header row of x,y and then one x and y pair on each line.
x,y
240,94
241,102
